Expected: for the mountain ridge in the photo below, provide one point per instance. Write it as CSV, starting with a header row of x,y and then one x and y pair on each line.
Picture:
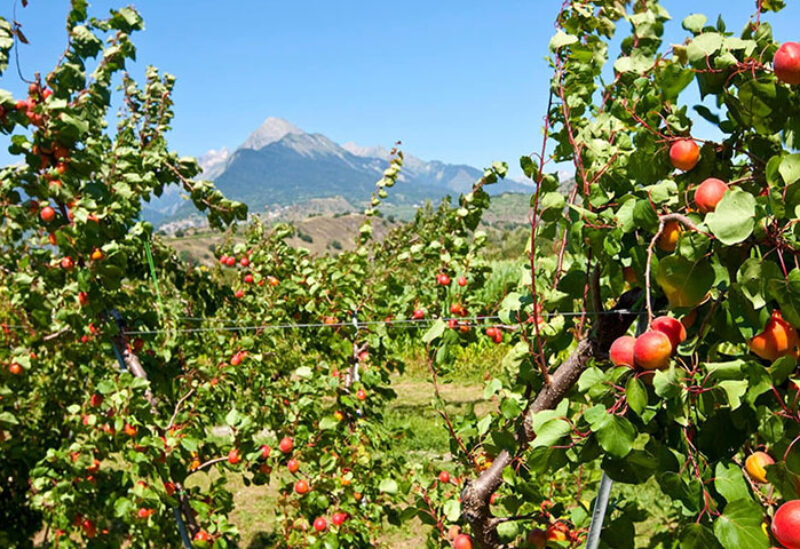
x,y
279,164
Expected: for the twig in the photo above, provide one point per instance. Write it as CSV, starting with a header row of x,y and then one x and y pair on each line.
x,y
205,465
55,335
662,221
177,409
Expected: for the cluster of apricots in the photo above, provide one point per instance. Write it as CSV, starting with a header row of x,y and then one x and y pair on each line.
x,y
248,278
684,155
653,349
36,95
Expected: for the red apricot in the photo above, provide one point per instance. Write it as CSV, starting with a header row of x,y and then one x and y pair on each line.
x,y
684,154
787,63
786,524
621,351
672,328
652,350
709,193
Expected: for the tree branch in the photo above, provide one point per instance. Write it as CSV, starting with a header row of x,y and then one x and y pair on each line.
x,y
475,495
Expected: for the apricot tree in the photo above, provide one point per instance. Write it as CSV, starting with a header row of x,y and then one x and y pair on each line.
x,y
697,230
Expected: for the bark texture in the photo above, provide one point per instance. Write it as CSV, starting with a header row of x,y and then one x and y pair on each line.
x,y
475,495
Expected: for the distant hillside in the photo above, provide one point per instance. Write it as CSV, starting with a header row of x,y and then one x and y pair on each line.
x,y
331,232
280,165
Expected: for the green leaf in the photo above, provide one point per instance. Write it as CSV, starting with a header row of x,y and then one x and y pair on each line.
x,y
635,468
756,105
8,418
123,507
684,282
734,390
233,417
694,23
550,432
787,482
726,370
484,424
619,533
328,423
665,383
507,531
790,168
786,291
782,368
733,220
636,63
491,388
644,216
510,407
388,486
615,435
105,387
636,395
690,493
562,39
739,526
706,44
730,483
435,331
697,536
190,443
73,127
452,510
752,279
591,377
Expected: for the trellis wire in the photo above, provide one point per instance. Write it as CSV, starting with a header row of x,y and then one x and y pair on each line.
x,y
403,323
397,323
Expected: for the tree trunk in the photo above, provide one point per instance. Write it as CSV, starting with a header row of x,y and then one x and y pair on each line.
x,y
475,495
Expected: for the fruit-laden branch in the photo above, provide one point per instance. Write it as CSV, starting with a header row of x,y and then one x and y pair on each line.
x,y
475,495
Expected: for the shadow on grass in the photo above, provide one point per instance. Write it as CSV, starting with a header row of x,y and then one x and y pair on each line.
x,y
263,539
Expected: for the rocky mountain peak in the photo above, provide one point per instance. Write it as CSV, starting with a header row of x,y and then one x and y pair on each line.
x,y
271,131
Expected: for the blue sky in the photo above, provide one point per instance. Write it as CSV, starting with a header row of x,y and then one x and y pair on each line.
x,y
462,81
